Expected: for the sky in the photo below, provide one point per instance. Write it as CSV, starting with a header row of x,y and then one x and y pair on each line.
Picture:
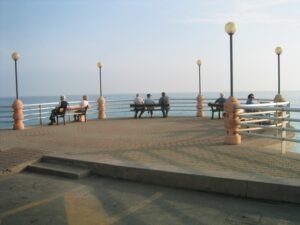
x,y
147,46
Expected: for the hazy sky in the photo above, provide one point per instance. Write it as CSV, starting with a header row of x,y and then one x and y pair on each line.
x,y
146,45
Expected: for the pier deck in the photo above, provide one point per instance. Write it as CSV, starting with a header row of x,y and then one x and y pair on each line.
x,y
184,145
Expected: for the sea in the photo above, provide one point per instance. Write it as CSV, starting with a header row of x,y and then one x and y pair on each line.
x,y
292,96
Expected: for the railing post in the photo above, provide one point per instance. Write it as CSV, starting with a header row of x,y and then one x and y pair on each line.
x,y
200,106
18,115
280,114
40,111
283,134
101,107
232,121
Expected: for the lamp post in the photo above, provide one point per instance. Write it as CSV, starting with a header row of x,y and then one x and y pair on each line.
x,y
15,57
101,100
278,97
230,28
199,62
231,118
17,106
278,51
99,65
200,98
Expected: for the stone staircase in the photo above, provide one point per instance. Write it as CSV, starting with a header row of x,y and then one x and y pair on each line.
x,y
51,166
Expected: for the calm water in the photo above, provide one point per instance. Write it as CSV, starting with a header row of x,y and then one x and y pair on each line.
x,y
292,96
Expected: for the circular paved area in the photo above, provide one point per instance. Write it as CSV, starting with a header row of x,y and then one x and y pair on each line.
x,y
188,142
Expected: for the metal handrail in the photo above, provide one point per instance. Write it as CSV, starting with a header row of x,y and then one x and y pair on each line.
x,y
278,114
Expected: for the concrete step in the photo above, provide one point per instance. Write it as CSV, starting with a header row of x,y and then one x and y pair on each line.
x,y
59,170
225,182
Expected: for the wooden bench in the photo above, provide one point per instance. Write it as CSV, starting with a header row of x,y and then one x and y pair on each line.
x,y
61,113
79,112
215,107
146,107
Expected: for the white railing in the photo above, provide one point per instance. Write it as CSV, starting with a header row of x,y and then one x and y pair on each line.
x,y
255,117
269,116
38,114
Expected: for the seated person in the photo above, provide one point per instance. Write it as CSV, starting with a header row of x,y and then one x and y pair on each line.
x,y
221,101
138,101
62,105
149,101
164,101
83,104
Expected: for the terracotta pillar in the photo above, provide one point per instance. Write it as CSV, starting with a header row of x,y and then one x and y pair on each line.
x,y
232,121
200,106
18,115
101,107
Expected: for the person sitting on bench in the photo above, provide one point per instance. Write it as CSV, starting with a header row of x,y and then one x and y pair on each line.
x,y
83,104
61,106
138,100
149,101
221,100
164,102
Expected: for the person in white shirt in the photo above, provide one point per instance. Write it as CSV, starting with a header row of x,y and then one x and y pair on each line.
x,y
149,101
139,101
83,104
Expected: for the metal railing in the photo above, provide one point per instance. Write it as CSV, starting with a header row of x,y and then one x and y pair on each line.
x,y
255,117
38,114
269,116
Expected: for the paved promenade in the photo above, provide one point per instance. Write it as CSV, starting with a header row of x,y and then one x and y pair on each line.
x,y
191,143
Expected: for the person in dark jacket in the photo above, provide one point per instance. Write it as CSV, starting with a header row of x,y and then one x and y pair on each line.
x,y
164,102
61,106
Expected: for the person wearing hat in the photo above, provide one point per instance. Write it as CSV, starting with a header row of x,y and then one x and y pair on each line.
x,y
62,105
149,101
251,100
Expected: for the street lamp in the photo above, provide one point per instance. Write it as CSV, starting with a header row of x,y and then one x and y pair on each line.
x,y
15,57
99,65
230,28
199,62
231,115
278,51
17,106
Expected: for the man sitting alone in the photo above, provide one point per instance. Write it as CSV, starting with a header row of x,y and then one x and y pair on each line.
x,y
61,106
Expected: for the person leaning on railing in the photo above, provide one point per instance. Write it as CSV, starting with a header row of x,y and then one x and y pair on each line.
x,y
251,100
62,106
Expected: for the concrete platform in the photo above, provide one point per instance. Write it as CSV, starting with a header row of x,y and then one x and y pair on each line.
x,y
231,183
180,147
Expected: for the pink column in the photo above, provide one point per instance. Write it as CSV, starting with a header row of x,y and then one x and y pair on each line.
x,y
232,121
18,114
200,106
101,107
